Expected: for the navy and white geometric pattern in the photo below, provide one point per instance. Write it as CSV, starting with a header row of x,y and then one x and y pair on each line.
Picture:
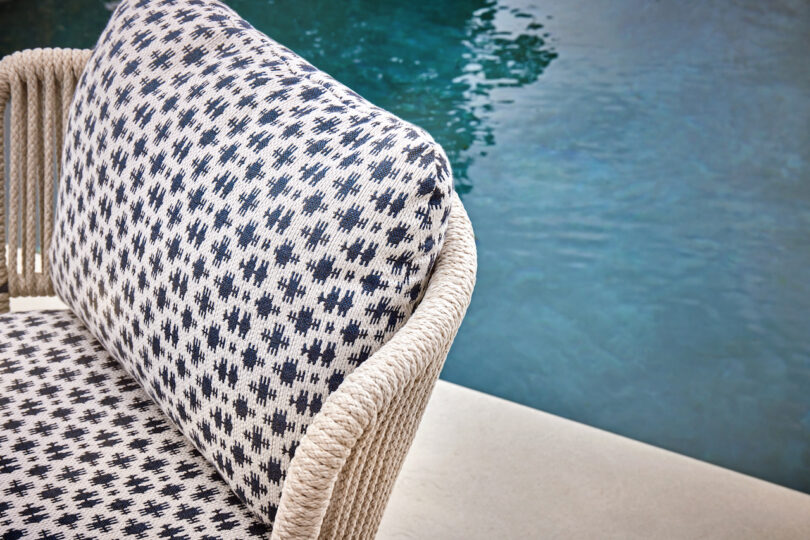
x,y
238,229
85,453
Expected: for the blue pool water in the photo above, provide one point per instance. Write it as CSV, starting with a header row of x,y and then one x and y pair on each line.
x,y
638,174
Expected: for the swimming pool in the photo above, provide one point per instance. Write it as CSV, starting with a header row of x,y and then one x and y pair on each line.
x,y
639,179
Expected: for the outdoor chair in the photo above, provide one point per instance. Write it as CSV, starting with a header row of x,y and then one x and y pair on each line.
x,y
52,367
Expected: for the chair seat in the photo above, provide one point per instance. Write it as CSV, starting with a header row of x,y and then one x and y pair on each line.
x,y
85,452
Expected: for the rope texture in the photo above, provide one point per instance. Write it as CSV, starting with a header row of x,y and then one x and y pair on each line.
x,y
341,477
39,86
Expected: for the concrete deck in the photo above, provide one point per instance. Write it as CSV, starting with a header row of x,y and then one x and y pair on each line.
x,y
483,468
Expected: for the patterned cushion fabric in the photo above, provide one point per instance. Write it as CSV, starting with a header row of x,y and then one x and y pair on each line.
x,y
85,453
238,229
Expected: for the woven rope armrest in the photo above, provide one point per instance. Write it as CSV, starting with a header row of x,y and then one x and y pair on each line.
x,y
39,86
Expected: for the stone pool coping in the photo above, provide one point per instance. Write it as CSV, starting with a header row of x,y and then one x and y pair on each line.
x,y
485,468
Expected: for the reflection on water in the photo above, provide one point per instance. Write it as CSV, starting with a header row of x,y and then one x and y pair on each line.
x,y
505,47
641,209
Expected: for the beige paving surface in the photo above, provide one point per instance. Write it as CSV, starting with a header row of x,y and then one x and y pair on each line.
x,y
485,468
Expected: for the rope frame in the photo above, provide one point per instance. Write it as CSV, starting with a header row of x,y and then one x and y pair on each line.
x,y
39,86
343,472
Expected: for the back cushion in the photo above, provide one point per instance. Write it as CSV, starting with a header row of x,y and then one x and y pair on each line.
x,y
238,229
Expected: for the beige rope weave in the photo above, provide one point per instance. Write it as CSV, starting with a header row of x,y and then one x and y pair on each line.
x,y
342,474
39,84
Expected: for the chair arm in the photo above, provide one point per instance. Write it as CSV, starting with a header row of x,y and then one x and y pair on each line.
x,y
341,477
39,84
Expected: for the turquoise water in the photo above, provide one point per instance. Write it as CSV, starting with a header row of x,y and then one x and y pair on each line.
x,y
638,174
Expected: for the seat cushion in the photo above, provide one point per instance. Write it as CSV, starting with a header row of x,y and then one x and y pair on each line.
x,y
85,453
238,229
